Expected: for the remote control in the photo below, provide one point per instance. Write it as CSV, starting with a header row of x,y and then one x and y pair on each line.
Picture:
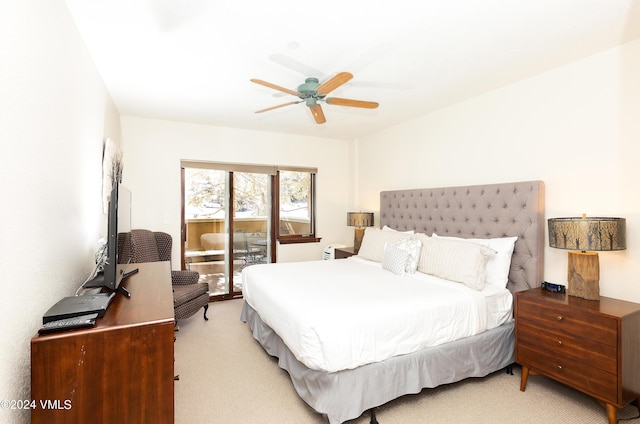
x,y
82,321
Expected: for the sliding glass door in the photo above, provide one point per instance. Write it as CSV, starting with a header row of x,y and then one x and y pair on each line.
x,y
226,225
250,222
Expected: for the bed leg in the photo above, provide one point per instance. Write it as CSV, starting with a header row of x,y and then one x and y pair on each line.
x,y
373,416
510,369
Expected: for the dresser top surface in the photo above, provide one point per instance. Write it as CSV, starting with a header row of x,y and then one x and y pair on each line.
x,y
151,301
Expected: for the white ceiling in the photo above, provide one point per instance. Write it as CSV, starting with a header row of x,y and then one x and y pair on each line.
x,y
191,60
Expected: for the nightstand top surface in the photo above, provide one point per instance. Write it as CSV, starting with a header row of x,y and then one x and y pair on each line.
x,y
605,305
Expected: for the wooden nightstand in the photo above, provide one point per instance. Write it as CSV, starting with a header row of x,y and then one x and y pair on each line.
x,y
590,345
344,252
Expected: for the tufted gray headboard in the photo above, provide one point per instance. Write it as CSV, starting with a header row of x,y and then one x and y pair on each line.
x,y
479,211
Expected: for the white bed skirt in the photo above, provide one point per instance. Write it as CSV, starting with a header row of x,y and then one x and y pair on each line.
x,y
345,395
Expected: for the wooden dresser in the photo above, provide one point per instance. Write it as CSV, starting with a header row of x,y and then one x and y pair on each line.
x,y
121,370
590,345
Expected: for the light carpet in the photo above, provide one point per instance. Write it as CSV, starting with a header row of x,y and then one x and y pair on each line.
x,y
227,378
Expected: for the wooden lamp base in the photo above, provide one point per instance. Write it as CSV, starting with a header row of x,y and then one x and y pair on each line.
x,y
357,239
584,275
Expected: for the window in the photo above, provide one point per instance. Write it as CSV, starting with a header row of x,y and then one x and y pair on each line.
x,y
296,205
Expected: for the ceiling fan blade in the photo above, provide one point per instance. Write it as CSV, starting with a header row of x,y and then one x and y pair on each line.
x,y
349,102
318,114
275,87
279,106
333,83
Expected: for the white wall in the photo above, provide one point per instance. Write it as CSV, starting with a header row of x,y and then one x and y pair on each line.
x,y
153,150
54,114
577,128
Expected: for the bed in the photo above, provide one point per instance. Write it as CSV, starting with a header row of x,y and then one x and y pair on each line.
x,y
297,311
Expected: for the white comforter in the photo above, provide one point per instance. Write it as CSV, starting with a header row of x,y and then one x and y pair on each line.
x,y
341,314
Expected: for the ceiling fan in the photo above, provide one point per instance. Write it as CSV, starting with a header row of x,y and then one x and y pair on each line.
x,y
312,92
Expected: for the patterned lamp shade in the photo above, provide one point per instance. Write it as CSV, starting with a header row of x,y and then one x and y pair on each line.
x,y
588,234
360,219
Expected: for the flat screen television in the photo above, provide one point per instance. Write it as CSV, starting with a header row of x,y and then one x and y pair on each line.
x,y
118,221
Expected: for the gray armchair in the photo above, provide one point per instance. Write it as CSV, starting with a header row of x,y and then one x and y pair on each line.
x,y
146,246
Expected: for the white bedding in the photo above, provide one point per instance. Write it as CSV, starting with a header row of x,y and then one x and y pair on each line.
x,y
341,314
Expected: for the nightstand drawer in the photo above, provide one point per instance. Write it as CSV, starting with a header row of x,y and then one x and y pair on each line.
x,y
571,321
570,347
579,375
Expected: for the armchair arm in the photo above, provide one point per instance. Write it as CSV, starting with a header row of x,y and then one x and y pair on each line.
x,y
184,277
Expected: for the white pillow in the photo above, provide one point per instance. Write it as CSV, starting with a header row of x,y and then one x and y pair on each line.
x,y
455,260
420,236
413,248
498,265
387,228
395,259
372,247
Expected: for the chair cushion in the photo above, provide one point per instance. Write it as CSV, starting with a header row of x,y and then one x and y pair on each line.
x,y
186,293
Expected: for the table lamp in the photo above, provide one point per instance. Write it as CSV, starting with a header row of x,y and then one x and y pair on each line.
x,y
360,220
585,237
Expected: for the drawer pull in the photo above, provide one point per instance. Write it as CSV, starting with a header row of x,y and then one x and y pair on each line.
x,y
559,317
559,367
559,342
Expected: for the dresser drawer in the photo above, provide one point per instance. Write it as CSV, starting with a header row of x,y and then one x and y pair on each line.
x,y
571,348
571,321
579,375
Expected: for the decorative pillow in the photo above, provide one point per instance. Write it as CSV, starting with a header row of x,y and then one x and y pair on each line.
x,y
395,259
456,260
498,265
413,248
372,247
